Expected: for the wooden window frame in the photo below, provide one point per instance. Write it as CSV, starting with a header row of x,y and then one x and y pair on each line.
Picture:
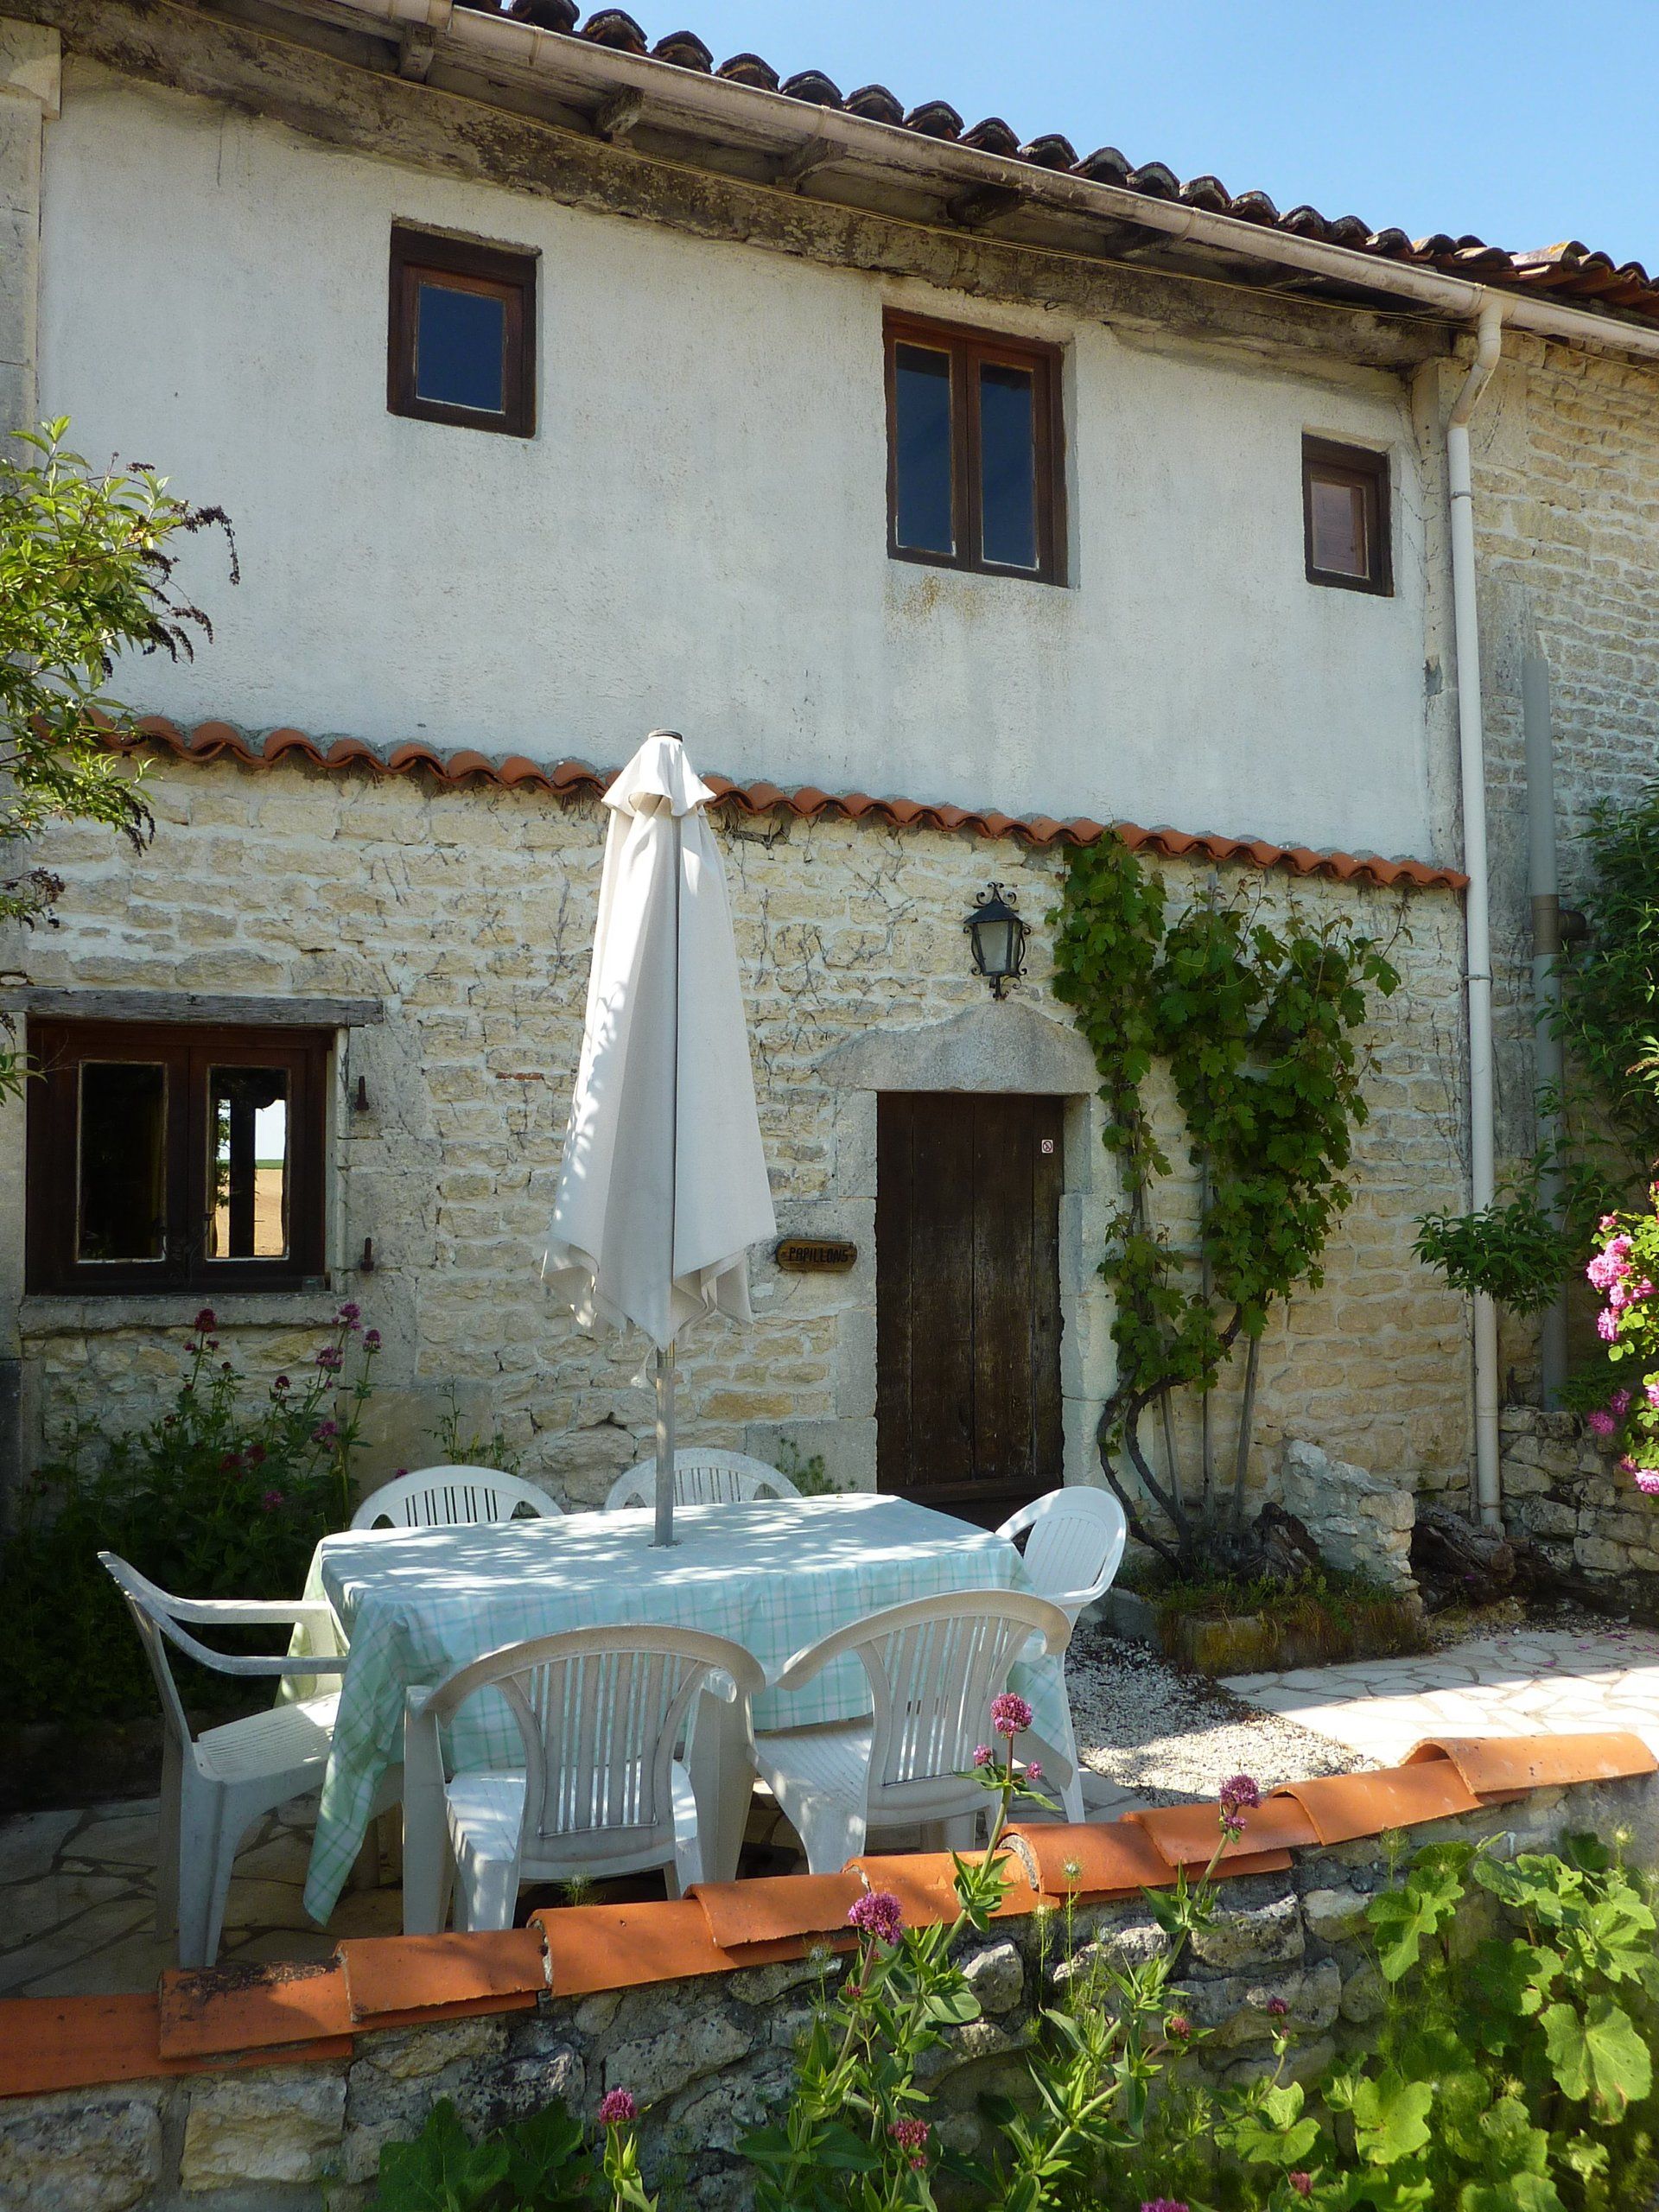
x,y
1369,469
967,349
187,1051
499,272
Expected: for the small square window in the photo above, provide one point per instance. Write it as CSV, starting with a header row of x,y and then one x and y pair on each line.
x,y
461,334
172,1157
1345,524
974,450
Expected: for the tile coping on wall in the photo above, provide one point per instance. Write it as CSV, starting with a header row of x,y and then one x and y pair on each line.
x,y
269,2015
562,779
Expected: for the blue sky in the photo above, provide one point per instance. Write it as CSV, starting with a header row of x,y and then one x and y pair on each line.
x,y
1519,121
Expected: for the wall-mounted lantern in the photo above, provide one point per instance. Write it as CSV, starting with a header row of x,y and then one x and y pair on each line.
x,y
998,936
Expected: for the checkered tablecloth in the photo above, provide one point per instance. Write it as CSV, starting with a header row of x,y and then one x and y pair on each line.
x,y
774,1577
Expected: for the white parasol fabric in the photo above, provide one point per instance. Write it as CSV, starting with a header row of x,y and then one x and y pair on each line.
x,y
664,1183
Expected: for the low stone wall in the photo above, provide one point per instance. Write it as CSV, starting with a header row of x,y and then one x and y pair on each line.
x,y
709,2056
1563,1488
1362,1523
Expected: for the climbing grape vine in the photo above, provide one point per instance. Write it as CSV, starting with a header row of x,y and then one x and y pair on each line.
x,y
1254,1026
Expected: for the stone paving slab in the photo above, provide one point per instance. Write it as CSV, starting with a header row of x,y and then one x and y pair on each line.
x,y
1536,1682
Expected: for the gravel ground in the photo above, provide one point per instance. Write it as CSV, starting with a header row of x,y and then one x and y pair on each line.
x,y
1170,1736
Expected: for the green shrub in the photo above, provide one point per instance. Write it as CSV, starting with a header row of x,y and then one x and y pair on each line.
x,y
216,1497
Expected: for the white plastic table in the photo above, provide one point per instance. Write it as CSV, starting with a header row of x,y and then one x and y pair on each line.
x,y
773,1576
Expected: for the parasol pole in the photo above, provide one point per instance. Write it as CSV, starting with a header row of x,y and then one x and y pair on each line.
x,y
663,1534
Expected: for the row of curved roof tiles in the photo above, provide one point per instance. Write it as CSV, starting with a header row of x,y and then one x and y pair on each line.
x,y
1570,268
562,779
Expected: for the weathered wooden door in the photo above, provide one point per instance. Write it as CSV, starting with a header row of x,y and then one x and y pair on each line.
x,y
967,1299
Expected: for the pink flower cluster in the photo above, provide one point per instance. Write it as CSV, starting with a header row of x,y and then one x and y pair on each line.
x,y
1010,1715
616,2108
911,2136
1237,1795
877,1915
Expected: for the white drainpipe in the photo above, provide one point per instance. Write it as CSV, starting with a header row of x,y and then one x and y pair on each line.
x,y
1478,950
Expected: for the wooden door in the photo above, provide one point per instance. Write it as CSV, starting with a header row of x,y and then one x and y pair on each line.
x,y
967,1299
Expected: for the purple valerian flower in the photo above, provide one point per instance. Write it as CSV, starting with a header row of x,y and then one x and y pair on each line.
x,y
330,1359
1010,1715
349,1314
1600,1423
273,1499
1034,1771
1277,2008
1179,2027
282,1384
982,1755
205,1319
370,1339
911,2135
616,2108
1302,2182
879,1915
324,1431
211,1345
1237,1795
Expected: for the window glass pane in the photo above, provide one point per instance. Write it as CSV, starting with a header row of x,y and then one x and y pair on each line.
x,y
922,425
248,1115
1007,463
122,1211
461,346
1341,535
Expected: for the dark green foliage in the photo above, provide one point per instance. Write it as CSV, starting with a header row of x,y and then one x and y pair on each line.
x,y
1513,1250
215,1499
538,2165
1256,1028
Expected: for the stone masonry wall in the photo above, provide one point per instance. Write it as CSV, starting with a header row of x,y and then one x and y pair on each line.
x,y
1566,519
469,913
1565,1489
708,2058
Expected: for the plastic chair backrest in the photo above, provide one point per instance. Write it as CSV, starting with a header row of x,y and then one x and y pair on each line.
x,y
151,1617
703,1477
933,1666
601,1712
1075,1545
452,1497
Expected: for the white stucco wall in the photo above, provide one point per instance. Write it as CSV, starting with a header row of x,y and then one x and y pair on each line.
x,y
696,535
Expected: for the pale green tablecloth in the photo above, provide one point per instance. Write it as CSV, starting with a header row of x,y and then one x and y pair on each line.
x,y
774,1577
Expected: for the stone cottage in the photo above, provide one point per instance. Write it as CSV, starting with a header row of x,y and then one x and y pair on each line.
x,y
955,496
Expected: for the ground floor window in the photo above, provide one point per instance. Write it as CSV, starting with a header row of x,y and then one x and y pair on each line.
x,y
175,1157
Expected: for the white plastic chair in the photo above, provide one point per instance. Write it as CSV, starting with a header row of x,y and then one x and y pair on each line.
x,y
703,1478
933,1666
452,1497
216,1785
602,1713
1074,1546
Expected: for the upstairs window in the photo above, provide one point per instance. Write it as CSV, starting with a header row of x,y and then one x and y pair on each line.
x,y
461,336
175,1157
1346,523
974,450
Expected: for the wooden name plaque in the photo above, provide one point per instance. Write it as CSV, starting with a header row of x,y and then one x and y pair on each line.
x,y
816,1256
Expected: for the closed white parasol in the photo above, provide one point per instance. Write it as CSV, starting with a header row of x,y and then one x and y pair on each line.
x,y
664,1184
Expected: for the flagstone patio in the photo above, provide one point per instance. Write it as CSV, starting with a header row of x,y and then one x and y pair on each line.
x,y
1536,1681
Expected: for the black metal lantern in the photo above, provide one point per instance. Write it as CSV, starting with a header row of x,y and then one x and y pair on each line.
x,y
998,936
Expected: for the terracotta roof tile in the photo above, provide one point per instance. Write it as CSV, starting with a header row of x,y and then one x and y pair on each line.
x,y
1506,1764
204,2014
924,1883
1187,1835
1570,270
215,740
626,1946
395,1980
1344,1807
806,1906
